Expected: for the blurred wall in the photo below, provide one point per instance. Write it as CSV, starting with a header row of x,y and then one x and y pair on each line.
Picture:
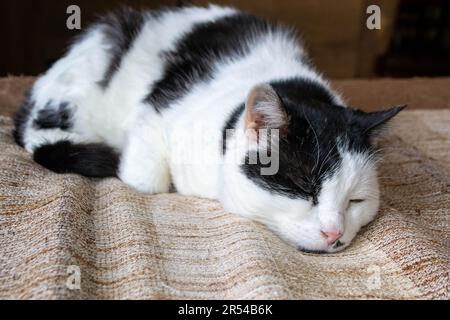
x,y
34,32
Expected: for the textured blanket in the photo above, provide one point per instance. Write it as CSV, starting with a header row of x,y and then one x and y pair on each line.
x,y
66,236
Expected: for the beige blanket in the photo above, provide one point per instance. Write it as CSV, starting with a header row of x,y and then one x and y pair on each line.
x,y
66,236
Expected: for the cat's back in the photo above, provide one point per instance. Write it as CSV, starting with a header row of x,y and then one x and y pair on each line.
x,y
223,38
165,54
137,43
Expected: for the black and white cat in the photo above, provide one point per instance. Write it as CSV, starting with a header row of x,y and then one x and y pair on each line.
x,y
141,94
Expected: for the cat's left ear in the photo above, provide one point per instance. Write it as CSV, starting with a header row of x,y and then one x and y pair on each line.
x,y
373,122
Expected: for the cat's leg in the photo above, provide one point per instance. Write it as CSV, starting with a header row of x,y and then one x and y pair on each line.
x,y
143,164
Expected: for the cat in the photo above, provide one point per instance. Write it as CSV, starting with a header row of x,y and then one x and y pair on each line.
x,y
140,92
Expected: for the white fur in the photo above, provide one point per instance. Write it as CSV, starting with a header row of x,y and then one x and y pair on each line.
x,y
153,145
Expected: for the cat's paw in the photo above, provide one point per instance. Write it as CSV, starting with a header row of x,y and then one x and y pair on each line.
x,y
146,183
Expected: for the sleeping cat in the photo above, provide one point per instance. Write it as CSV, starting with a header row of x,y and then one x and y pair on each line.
x,y
140,93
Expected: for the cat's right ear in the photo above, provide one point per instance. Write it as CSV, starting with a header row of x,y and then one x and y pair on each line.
x,y
264,110
372,123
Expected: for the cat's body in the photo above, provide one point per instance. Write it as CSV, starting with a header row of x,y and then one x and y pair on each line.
x,y
142,94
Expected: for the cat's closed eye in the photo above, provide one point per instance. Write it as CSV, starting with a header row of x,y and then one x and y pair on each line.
x,y
352,201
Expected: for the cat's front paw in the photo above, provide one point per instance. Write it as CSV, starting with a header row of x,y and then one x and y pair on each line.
x,y
145,183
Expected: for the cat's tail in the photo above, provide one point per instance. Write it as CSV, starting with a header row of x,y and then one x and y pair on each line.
x,y
89,159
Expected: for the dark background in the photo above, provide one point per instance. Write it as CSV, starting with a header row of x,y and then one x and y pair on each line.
x,y
414,39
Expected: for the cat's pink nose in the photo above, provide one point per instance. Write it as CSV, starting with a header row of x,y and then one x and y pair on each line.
x,y
331,236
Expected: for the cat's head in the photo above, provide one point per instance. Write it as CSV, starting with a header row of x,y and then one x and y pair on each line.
x,y
325,186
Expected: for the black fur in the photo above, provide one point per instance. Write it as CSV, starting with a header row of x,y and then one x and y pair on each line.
x,y
121,29
231,124
308,151
21,118
302,91
338,244
195,55
90,160
52,118
304,250
335,246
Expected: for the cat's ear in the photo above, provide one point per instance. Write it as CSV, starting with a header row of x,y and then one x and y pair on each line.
x,y
373,122
264,109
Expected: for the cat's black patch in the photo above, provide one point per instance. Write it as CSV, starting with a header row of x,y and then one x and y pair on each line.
x,y
308,151
302,91
231,125
194,58
121,29
338,244
21,119
90,159
52,117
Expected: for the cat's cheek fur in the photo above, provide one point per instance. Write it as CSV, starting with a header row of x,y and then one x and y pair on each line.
x,y
356,178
